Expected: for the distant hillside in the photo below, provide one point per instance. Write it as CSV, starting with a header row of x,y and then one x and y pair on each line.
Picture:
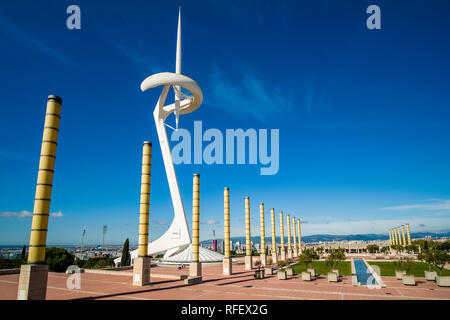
x,y
330,237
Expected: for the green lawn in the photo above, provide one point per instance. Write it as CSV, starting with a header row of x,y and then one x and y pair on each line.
x,y
321,268
418,270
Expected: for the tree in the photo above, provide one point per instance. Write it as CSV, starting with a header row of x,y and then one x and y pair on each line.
x,y
439,259
397,247
58,259
372,248
425,245
24,252
444,246
331,262
412,248
126,257
408,264
384,249
399,265
426,257
319,250
308,256
334,258
282,264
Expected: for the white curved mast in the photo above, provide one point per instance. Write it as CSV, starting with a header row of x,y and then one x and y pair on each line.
x,y
177,236
178,233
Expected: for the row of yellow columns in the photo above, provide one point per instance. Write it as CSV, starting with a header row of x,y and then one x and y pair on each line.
x,y
227,262
397,235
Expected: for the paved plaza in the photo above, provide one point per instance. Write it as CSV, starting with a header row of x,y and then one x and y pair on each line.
x,y
239,286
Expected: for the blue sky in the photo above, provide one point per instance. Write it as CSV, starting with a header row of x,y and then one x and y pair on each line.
x,y
363,114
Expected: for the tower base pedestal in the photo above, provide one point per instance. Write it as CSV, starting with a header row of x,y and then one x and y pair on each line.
x,y
283,255
141,271
195,269
248,263
227,267
33,282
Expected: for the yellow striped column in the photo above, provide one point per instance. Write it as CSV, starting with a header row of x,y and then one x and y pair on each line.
x,y
394,231
34,275
283,250
274,236
288,220
248,244
141,264
299,237
195,266
295,237
145,199
390,238
262,234
408,233
403,235
227,262
399,236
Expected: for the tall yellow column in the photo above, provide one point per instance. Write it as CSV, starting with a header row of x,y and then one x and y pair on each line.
x,y
274,236
403,235
409,234
34,275
248,244
141,264
195,268
227,262
399,236
299,237
283,250
394,231
288,220
294,237
262,234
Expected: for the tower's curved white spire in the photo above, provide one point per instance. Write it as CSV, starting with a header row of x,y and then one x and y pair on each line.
x,y
178,61
178,70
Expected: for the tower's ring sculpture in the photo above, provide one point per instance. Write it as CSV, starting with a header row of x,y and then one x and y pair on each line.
x,y
168,79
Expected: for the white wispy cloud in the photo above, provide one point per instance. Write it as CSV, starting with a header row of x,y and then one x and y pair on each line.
x,y
252,95
26,214
210,222
159,222
142,60
437,204
16,34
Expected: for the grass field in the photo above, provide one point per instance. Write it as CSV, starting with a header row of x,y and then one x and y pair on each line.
x,y
321,268
418,270
386,268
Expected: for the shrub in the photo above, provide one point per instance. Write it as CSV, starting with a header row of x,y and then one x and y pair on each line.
x,y
99,263
11,263
58,259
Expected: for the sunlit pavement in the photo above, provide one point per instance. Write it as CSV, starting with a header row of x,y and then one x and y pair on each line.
x,y
239,286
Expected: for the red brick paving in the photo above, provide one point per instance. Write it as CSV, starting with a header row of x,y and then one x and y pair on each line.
x,y
240,286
